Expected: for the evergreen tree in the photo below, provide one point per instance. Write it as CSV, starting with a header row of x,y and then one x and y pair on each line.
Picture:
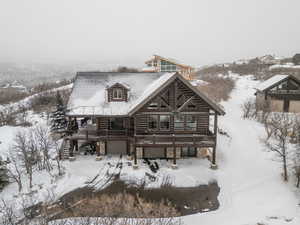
x,y
58,117
3,174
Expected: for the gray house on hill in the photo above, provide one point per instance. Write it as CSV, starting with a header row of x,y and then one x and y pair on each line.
x,y
142,115
296,59
280,93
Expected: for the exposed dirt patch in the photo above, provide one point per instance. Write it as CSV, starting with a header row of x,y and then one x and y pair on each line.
x,y
127,200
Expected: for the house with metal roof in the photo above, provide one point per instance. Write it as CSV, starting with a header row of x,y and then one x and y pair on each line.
x,y
161,64
141,115
280,93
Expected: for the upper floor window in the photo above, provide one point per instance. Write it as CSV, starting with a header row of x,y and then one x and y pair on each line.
x,y
185,122
117,93
159,122
116,124
167,66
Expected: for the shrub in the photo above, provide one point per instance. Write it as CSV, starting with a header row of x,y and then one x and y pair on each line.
x,y
217,88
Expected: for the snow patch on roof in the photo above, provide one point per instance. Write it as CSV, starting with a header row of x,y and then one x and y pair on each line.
x,y
89,96
285,66
271,81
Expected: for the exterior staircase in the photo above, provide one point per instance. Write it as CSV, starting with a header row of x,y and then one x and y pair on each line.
x,y
65,150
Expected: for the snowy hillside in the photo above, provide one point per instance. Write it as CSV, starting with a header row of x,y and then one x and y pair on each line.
x,y
252,191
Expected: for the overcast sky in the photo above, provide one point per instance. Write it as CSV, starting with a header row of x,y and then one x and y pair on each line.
x,y
130,31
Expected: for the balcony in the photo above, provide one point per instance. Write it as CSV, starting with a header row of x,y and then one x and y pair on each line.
x,y
90,132
285,92
175,140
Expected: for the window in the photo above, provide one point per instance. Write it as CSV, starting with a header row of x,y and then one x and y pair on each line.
x,y
185,122
167,66
164,122
191,123
179,122
116,123
117,93
152,122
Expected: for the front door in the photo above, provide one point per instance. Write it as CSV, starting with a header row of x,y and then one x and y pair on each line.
x,y
188,152
286,105
117,147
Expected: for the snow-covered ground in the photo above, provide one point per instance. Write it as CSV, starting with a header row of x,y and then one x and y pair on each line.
x,y
252,190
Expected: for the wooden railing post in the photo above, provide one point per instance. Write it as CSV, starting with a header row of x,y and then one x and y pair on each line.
x,y
214,164
174,151
134,151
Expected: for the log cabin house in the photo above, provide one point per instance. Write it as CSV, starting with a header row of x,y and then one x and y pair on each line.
x,y
280,93
161,64
143,115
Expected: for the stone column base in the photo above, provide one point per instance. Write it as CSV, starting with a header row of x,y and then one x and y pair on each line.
x,y
174,166
214,166
72,158
135,166
98,158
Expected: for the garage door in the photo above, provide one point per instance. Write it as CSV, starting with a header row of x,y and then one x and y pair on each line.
x,y
151,152
117,147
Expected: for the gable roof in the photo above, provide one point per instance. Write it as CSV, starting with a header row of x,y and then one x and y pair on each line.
x,y
273,81
169,60
88,96
122,84
163,82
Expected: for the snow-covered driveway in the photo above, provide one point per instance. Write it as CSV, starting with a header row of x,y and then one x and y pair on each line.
x,y
252,190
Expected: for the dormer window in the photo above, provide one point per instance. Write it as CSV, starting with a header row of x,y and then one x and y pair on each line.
x,y
117,93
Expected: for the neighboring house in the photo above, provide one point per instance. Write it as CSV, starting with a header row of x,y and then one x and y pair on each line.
x,y
296,59
161,64
281,93
143,115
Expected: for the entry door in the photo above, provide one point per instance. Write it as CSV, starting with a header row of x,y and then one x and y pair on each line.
x,y
188,152
117,147
286,105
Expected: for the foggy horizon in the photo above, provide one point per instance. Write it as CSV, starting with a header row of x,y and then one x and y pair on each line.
x,y
129,32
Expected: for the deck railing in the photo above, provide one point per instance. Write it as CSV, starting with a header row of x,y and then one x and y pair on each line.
x,y
171,140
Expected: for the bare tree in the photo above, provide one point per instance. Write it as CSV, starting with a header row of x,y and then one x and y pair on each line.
x,y
44,143
57,146
22,147
248,108
15,171
7,214
282,126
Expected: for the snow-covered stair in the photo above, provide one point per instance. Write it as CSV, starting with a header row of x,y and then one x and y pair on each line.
x,y
65,150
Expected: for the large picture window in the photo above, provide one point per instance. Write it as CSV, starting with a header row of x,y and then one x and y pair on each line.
x,y
159,122
153,122
185,122
179,122
191,123
164,122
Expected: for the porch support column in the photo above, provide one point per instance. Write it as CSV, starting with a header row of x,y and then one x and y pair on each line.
x,y
213,161
98,157
174,166
71,152
76,145
135,166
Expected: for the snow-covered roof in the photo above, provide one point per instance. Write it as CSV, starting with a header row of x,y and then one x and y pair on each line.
x,y
270,82
88,96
